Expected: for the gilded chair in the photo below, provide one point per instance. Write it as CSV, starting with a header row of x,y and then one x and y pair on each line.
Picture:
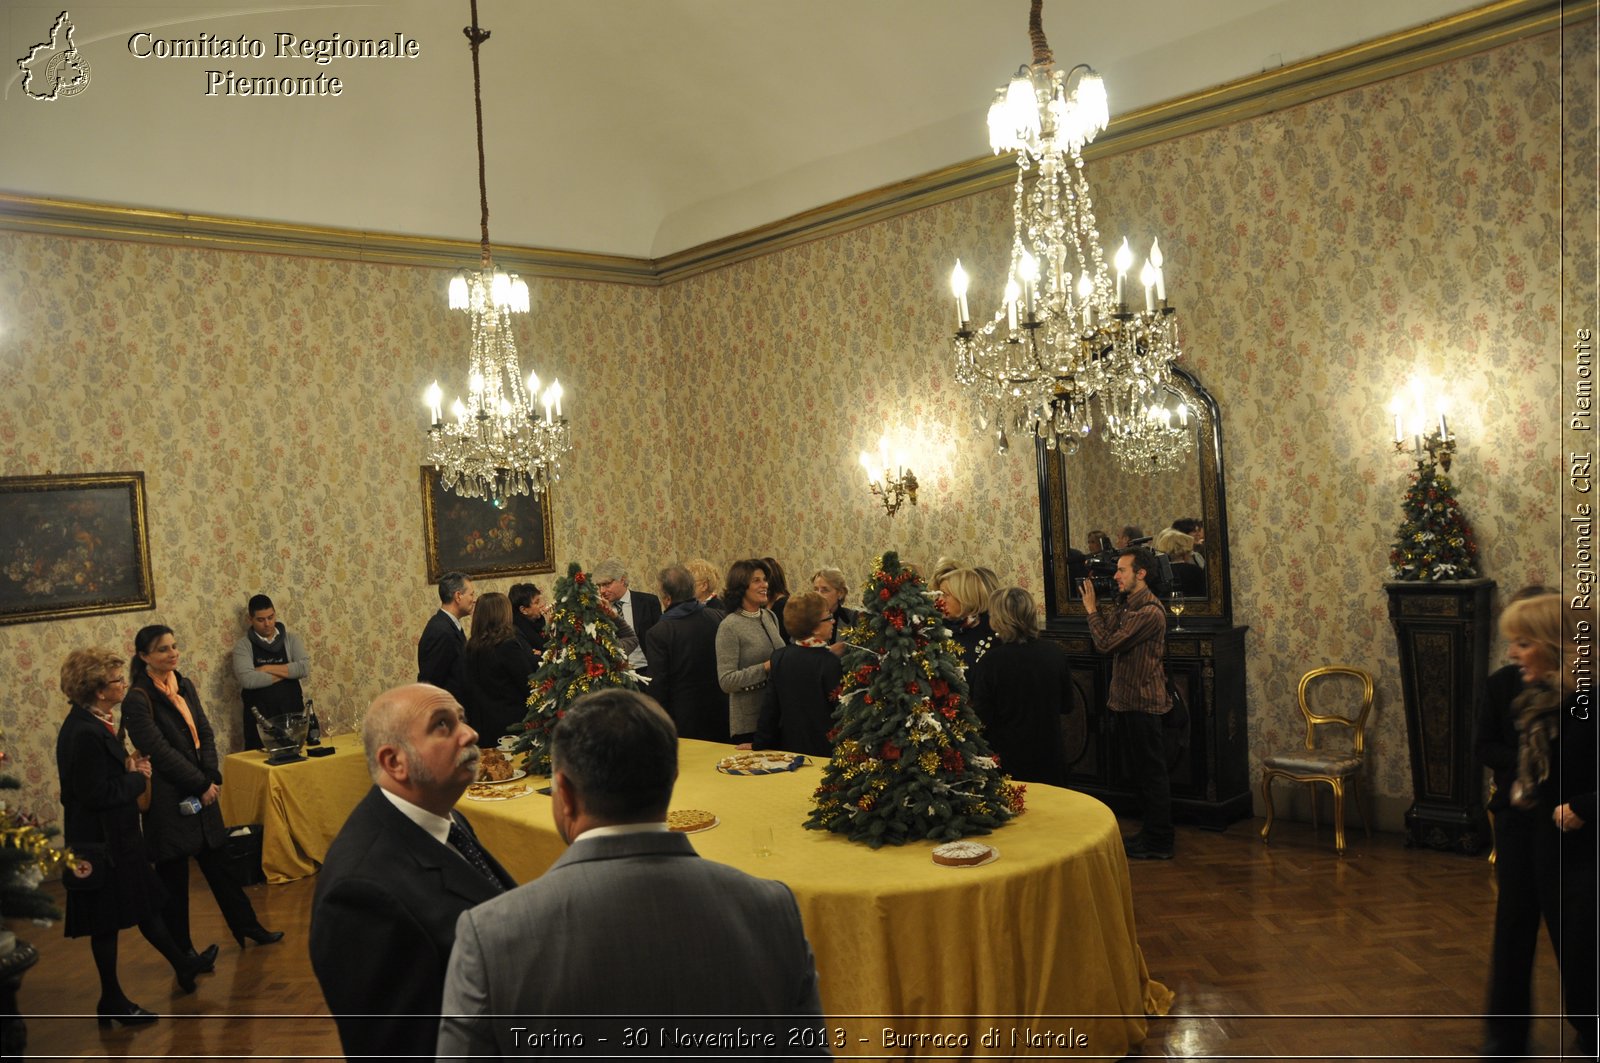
x,y
1325,762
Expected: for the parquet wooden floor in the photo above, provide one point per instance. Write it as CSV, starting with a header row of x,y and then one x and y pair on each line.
x,y
1275,952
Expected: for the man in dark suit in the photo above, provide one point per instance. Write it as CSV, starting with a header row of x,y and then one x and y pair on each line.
x,y
444,638
638,609
403,867
630,921
682,651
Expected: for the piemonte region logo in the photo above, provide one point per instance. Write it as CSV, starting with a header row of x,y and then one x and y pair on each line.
x,y
55,69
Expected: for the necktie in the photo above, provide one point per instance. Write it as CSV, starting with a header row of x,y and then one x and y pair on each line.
x,y
468,847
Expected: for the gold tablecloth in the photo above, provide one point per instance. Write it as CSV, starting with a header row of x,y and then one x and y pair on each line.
x,y
1038,947
300,806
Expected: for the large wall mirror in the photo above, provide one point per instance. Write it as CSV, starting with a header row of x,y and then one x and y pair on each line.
x,y
1089,491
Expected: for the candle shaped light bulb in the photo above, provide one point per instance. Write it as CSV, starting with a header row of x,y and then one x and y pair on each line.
x,y
1123,261
1444,428
1399,429
1012,292
958,287
459,410
1183,414
533,385
866,464
505,407
1028,270
475,383
899,463
547,401
459,293
1147,277
433,397
557,391
1158,260
1086,295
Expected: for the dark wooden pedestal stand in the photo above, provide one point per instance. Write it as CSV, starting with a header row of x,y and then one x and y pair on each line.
x,y
1443,631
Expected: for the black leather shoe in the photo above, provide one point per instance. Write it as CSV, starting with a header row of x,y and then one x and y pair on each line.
x,y
259,934
1146,851
204,962
127,1014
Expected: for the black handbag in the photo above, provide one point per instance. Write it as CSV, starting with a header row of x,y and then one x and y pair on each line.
x,y
89,867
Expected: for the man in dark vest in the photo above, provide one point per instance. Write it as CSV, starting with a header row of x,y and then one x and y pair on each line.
x,y
269,663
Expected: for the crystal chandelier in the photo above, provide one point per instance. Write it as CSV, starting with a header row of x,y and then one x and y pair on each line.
x,y
498,444
1067,337
1150,438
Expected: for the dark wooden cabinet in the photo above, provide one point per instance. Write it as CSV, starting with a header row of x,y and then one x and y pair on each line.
x,y
1210,763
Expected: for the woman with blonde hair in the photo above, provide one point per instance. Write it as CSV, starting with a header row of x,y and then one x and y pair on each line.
x,y
1020,690
1546,857
707,582
964,600
101,785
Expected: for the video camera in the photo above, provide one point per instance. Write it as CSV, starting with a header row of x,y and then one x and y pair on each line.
x,y
1101,569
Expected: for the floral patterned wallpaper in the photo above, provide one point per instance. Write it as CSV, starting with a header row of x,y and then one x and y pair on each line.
x,y
1321,256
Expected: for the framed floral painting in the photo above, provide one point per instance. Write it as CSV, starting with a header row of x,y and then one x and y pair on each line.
x,y
73,546
480,537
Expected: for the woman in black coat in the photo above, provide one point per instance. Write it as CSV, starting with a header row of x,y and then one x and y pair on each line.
x,y
1545,836
492,672
166,721
803,687
100,790
1020,690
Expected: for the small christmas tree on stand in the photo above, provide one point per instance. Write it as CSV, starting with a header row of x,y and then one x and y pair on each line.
x,y
583,654
909,760
1434,541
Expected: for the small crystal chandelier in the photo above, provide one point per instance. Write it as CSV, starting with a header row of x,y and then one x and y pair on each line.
x,y
1066,336
499,444
1150,439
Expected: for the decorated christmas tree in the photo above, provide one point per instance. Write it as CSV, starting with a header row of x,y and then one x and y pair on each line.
x,y
909,758
1434,541
584,653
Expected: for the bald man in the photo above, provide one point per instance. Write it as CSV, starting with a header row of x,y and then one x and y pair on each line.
x,y
403,868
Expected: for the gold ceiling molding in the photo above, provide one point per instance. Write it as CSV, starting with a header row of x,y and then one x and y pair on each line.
x,y
1486,27
106,222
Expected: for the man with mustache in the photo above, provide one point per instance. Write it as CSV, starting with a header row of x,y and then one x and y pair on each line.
x,y
403,867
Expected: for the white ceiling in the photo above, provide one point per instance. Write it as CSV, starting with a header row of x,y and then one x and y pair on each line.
x,y
630,127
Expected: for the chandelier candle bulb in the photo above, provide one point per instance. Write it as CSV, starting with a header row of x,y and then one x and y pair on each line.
x,y
1147,277
1123,261
1011,304
1158,261
958,285
1444,429
433,397
1399,431
555,390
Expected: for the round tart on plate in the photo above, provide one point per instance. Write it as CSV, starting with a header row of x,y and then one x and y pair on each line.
x,y
690,820
964,854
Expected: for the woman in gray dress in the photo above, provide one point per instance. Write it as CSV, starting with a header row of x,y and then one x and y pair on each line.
x,y
746,640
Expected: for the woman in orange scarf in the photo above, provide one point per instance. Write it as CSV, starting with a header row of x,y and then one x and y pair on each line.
x,y
164,718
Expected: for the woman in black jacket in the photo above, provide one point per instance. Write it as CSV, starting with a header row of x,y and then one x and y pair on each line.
x,y
1020,690
100,790
165,720
492,672
1545,837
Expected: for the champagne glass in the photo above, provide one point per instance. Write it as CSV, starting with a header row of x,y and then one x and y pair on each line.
x,y
1176,604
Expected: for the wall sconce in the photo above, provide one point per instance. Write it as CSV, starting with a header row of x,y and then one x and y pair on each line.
x,y
894,484
1420,418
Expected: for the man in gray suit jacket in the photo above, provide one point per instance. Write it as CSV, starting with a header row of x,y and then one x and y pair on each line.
x,y
630,925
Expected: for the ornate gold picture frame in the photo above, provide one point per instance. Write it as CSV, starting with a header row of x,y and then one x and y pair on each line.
x,y
508,537
73,546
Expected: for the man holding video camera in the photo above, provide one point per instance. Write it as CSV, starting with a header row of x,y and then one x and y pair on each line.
x,y
1136,636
